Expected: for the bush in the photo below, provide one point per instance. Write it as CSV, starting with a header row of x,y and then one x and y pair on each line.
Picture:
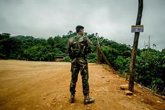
x,y
150,69
121,64
92,58
67,59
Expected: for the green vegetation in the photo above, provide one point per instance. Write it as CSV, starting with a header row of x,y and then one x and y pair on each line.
x,y
150,64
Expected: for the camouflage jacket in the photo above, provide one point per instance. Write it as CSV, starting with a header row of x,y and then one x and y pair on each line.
x,y
79,46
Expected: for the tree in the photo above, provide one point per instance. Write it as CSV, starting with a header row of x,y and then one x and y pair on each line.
x,y
4,36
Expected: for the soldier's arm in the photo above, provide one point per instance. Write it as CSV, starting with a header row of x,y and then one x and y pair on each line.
x,y
69,49
89,45
89,41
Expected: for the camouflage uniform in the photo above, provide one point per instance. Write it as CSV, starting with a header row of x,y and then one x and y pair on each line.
x,y
78,54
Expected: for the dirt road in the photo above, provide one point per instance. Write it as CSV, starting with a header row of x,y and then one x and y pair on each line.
x,y
26,85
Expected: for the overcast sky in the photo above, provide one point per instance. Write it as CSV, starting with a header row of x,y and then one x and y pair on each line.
x,y
109,18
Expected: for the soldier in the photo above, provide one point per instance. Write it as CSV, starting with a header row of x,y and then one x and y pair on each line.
x,y
79,47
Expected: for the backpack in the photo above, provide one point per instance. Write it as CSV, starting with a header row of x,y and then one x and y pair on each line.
x,y
77,47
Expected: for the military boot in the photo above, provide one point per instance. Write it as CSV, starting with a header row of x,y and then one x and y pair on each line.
x,y
88,100
72,98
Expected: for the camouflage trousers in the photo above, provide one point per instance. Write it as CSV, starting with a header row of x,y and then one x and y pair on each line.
x,y
79,65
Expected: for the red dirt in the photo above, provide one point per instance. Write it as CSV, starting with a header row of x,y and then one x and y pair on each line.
x,y
27,85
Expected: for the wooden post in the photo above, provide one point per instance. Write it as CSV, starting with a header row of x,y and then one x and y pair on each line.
x,y
98,50
100,54
135,46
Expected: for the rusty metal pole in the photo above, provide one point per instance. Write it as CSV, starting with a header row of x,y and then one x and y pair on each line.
x,y
135,46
